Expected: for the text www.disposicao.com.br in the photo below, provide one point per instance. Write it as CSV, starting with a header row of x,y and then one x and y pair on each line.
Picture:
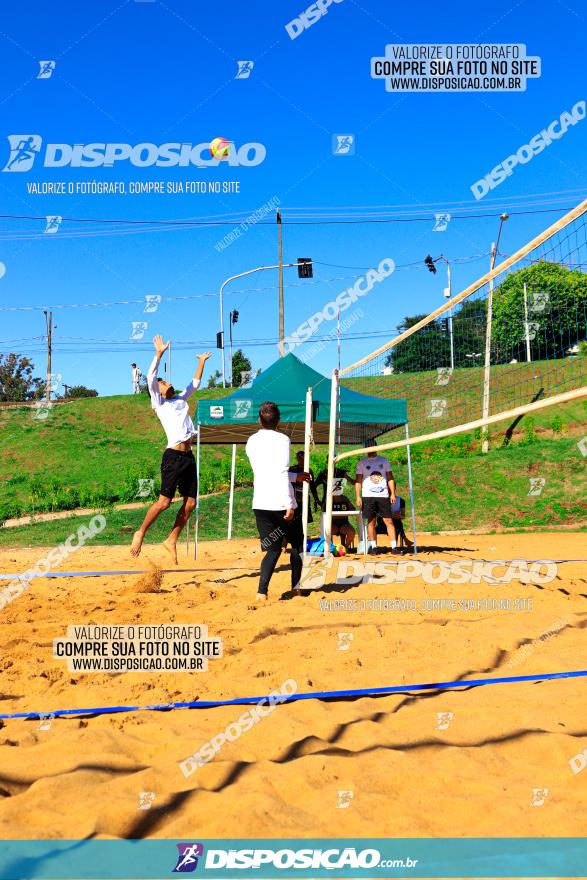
x,y
135,664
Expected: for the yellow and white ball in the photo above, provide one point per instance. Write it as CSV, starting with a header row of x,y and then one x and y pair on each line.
x,y
220,148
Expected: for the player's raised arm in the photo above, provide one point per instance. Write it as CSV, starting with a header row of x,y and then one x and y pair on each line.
x,y
152,383
202,358
195,383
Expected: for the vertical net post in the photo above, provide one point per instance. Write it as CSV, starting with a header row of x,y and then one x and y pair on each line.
x,y
306,486
411,488
231,495
334,390
197,521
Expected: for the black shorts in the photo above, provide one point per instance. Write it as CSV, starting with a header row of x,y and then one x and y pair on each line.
x,y
338,521
273,529
178,473
373,507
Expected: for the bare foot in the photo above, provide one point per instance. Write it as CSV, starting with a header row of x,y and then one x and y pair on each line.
x,y
171,549
137,543
261,597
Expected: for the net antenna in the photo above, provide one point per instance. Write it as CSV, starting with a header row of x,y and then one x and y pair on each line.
x,y
516,343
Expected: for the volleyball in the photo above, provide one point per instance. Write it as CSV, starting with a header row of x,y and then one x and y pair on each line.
x,y
219,148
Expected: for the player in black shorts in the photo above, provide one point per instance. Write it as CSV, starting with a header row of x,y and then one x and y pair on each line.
x,y
178,466
375,490
274,501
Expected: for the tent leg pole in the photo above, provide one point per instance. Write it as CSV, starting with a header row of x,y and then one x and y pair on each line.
x,y
231,496
330,480
197,522
411,486
306,487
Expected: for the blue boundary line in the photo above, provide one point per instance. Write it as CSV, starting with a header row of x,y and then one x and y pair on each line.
x,y
58,574
311,695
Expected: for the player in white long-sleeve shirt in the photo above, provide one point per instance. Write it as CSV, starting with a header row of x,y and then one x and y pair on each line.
x,y
274,500
178,466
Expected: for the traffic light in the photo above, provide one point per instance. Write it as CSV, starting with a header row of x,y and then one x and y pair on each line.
x,y
234,316
430,263
305,269
219,339
444,326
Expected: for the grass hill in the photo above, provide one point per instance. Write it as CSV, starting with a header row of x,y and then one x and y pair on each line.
x,y
486,493
93,452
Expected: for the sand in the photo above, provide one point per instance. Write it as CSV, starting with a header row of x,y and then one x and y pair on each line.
x,y
411,774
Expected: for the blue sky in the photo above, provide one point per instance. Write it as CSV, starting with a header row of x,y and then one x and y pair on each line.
x,y
160,72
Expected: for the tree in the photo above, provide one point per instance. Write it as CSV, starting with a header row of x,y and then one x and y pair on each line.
x,y
214,379
556,300
240,364
82,391
429,348
557,312
425,349
16,379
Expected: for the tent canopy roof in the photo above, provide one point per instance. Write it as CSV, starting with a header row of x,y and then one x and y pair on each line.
x,y
232,419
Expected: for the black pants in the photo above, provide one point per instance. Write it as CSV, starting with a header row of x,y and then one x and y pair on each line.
x,y
272,530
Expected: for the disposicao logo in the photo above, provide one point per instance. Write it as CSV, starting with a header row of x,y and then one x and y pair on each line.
x,y
188,855
24,149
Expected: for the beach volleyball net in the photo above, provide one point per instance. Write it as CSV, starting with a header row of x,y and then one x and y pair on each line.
x,y
511,343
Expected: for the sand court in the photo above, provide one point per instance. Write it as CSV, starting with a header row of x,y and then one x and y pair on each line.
x,y
494,760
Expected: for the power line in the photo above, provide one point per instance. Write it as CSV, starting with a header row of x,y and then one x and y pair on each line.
x,y
112,346
352,220
186,297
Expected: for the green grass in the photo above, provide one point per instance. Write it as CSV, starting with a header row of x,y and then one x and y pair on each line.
x,y
88,453
93,452
463,492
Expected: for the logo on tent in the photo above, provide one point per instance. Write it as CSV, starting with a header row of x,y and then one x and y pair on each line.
x,y
242,408
216,412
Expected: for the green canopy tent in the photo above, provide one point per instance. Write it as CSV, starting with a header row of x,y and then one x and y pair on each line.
x,y
304,399
234,418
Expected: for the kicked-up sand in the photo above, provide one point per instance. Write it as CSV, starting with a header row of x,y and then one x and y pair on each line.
x,y
481,761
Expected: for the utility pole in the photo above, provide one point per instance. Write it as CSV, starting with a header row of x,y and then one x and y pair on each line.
x,y
280,264
49,321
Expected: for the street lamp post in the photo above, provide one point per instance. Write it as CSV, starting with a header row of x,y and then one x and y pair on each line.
x,y
448,294
222,286
486,373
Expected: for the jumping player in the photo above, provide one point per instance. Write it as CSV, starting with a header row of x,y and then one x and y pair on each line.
x,y
178,466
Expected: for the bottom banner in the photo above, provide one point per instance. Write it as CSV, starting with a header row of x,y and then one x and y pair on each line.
x,y
284,857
